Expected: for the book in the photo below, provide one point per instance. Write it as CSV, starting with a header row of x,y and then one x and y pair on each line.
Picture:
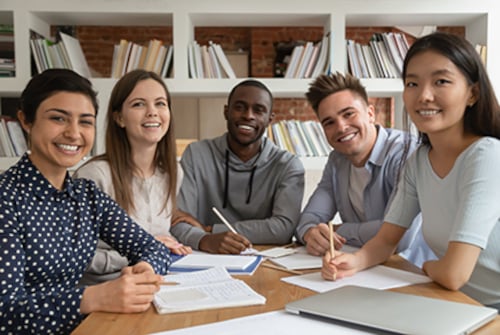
x,y
75,54
206,289
16,136
224,62
235,264
165,71
7,147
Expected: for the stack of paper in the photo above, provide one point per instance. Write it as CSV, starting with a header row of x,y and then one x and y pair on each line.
x,y
235,264
207,289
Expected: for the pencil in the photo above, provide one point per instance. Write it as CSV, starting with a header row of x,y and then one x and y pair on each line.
x,y
332,247
223,219
275,267
168,283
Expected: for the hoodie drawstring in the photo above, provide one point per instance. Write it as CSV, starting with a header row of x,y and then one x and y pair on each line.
x,y
250,183
226,185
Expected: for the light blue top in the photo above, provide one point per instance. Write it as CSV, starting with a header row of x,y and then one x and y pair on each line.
x,y
331,194
463,207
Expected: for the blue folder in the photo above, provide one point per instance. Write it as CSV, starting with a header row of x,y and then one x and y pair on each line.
x,y
249,270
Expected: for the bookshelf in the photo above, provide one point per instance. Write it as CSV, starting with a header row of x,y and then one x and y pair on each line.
x,y
480,19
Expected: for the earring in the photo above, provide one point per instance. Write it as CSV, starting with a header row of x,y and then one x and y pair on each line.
x,y
472,101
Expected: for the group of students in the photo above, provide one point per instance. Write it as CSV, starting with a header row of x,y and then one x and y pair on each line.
x,y
71,245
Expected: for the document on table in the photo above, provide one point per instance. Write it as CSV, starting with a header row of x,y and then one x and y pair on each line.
x,y
301,260
278,322
378,277
272,252
206,289
235,264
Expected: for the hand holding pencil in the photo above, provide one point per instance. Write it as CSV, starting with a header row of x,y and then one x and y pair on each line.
x,y
230,242
332,247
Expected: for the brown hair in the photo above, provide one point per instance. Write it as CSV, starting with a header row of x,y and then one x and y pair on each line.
x,y
118,150
325,85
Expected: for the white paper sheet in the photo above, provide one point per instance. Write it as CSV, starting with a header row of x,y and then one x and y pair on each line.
x,y
378,277
272,323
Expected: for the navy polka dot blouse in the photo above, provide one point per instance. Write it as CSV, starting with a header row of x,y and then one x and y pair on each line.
x,y
47,238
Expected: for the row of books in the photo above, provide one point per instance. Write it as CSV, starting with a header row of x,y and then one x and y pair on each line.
x,y
128,56
7,62
65,54
208,61
12,140
303,138
309,60
381,58
7,67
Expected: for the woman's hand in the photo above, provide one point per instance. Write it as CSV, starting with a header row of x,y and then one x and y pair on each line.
x,y
342,265
175,246
132,292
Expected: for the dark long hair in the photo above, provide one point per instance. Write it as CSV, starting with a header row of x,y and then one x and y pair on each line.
x,y
483,117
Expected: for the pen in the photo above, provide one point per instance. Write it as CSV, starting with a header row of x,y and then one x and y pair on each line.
x,y
275,267
332,247
168,283
223,219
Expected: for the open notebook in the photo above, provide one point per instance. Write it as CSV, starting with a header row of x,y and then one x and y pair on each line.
x,y
205,289
394,312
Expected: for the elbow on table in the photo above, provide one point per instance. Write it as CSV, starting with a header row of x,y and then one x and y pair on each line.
x,y
454,282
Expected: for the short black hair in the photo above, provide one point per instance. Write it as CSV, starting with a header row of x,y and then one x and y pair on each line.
x,y
50,82
254,83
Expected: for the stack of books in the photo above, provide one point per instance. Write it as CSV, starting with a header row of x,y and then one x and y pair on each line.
x,y
309,60
382,58
12,140
208,61
155,57
66,54
303,138
7,62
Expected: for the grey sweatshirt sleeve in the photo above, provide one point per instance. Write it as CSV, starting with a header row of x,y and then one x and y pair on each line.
x,y
280,226
187,201
321,206
358,233
106,260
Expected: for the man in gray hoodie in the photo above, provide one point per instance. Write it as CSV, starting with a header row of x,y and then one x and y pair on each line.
x,y
255,185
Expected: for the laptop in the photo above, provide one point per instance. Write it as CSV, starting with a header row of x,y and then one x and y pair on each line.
x,y
393,312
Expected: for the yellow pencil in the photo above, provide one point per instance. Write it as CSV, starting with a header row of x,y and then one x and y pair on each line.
x,y
168,283
275,267
332,247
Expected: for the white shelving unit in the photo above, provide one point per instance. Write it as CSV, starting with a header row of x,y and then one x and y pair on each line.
x,y
480,18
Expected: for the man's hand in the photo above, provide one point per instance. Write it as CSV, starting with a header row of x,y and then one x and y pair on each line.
x,y
224,243
318,240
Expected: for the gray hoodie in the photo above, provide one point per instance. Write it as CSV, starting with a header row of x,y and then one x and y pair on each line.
x,y
261,198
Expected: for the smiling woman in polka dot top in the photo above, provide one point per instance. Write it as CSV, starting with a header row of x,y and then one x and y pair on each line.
x,y
50,223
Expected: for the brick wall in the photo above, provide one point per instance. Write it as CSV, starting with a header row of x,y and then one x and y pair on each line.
x,y
97,43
